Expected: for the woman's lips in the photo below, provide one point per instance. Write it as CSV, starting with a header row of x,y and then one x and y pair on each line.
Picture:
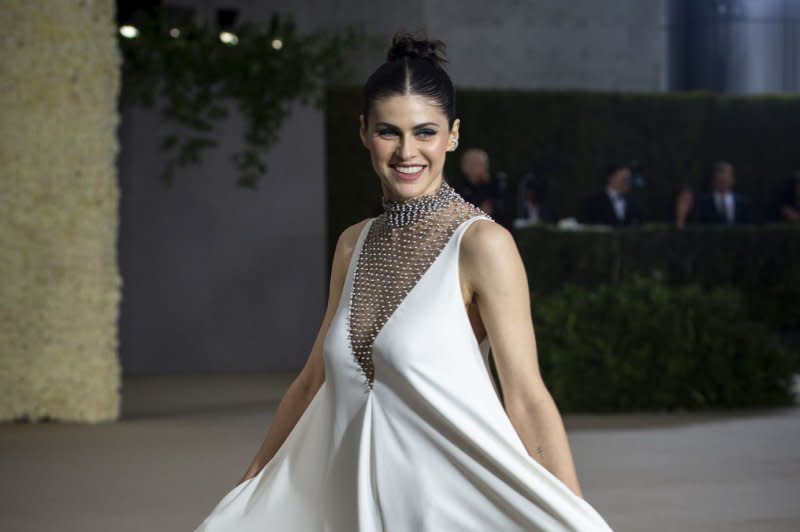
x,y
408,172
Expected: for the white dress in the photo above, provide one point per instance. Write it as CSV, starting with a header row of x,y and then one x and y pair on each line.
x,y
427,447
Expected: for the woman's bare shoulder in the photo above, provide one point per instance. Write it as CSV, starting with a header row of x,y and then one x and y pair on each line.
x,y
489,257
485,239
348,238
341,258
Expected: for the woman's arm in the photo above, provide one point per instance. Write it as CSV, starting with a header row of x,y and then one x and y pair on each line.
x,y
493,270
308,381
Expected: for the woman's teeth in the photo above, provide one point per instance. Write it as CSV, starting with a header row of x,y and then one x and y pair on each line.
x,y
408,169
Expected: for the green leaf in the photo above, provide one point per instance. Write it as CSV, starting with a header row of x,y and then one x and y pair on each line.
x,y
196,76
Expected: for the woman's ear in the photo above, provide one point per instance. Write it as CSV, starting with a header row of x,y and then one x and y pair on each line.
x,y
362,131
456,125
452,141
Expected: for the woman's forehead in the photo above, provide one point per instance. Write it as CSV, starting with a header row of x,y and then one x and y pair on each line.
x,y
407,110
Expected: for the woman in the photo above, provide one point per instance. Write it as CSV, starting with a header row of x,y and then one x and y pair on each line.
x,y
394,423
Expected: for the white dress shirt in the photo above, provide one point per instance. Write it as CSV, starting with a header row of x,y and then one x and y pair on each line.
x,y
725,205
618,201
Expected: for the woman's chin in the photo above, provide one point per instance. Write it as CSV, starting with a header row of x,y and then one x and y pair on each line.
x,y
404,190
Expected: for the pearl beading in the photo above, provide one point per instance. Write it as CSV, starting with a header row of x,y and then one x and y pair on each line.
x,y
399,247
404,212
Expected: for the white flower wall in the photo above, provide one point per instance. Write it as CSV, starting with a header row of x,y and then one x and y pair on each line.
x,y
59,280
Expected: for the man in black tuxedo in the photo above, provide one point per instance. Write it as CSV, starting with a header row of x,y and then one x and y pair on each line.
x,y
722,205
478,188
481,188
613,205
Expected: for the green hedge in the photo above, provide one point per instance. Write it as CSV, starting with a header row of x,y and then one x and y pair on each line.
x,y
643,345
762,261
570,136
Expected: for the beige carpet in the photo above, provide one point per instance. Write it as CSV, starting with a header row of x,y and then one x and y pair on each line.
x,y
184,441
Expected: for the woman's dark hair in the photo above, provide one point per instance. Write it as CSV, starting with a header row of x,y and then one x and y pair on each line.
x,y
413,66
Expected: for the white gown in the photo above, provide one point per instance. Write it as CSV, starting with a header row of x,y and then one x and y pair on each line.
x,y
428,449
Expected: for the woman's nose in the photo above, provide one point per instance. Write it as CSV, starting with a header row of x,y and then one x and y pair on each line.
x,y
407,148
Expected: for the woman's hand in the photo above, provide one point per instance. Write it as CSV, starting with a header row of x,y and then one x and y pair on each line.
x,y
250,473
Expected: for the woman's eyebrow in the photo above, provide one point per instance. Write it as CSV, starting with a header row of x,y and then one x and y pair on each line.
x,y
418,126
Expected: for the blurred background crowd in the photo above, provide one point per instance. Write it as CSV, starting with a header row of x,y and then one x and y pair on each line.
x,y
616,201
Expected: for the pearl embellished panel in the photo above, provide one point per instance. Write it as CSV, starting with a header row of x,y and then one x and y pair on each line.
x,y
400,245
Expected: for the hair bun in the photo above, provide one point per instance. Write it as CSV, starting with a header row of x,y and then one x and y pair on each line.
x,y
405,45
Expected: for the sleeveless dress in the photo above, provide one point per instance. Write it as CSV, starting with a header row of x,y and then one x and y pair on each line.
x,y
407,433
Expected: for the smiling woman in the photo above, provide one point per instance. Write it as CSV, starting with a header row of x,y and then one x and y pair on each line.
x,y
399,374
407,139
408,120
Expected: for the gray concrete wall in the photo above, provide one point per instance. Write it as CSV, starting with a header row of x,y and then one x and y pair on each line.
x,y
218,278
556,44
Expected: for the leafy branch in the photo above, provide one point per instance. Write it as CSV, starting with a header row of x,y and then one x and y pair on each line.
x,y
194,76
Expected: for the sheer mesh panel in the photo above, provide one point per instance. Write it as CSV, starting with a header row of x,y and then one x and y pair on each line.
x,y
397,251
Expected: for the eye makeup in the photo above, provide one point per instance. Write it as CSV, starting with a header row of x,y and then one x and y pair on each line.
x,y
427,132
428,129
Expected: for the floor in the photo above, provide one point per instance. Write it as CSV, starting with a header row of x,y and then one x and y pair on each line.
x,y
184,441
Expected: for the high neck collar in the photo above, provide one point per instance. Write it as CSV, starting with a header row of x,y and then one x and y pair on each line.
x,y
404,212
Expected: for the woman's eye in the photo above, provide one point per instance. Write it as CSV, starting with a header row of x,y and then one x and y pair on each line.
x,y
424,133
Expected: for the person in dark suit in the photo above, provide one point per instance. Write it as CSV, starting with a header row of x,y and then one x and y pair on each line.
x,y
478,187
613,205
533,206
722,205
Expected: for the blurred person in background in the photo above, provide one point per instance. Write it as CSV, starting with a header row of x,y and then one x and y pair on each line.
x,y
722,205
532,205
789,205
479,188
613,205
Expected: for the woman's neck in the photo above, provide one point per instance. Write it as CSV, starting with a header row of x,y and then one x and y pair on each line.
x,y
408,210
